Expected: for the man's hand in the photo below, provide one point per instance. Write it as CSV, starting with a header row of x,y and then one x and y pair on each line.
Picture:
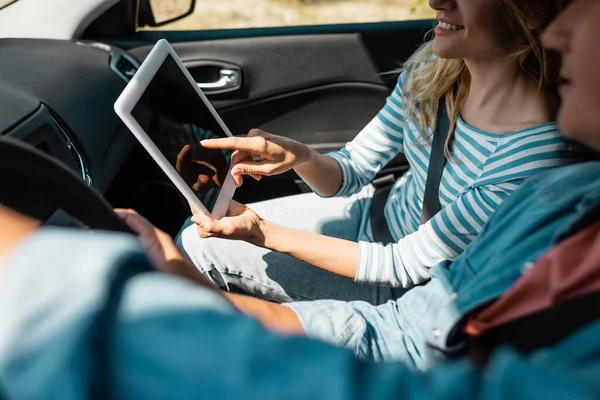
x,y
15,228
240,223
160,248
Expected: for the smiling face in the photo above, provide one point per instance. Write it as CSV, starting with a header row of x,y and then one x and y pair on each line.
x,y
471,29
574,35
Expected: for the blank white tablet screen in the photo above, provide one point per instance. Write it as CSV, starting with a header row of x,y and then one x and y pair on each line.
x,y
179,120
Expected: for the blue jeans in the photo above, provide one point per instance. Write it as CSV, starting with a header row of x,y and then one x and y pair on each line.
x,y
398,330
242,267
346,313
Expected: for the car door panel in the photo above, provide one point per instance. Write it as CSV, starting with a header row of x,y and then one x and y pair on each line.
x,y
276,65
320,89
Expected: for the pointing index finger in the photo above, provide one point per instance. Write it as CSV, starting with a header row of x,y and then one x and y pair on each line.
x,y
249,144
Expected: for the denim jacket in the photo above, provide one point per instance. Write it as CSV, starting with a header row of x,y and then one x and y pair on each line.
x,y
548,208
171,339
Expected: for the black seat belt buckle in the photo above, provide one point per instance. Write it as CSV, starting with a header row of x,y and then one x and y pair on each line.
x,y
384,181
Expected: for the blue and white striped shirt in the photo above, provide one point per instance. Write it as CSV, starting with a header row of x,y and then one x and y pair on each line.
x,y
484,169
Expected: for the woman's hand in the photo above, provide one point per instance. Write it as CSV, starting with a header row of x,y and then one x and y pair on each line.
x,y
276,154
160,248
240,223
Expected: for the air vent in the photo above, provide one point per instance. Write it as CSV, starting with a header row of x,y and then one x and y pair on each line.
x,y
124,66
75,153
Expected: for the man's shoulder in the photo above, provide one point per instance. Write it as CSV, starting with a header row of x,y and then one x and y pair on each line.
x,y
571,175
63,264
554,192
566,184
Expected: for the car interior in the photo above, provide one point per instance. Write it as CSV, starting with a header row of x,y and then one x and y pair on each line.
x,y
317,84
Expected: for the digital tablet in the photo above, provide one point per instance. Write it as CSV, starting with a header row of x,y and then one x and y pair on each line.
x,y
167,112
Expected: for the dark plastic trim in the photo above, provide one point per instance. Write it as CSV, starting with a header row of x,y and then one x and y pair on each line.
x,y
149,37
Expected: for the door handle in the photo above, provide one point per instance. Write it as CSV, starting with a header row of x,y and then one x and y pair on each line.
x,y
229,80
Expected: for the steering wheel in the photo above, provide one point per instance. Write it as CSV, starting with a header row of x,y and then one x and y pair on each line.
x,y
51,180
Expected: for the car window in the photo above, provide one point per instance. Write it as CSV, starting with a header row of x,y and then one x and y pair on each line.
x,y
232,14
4,3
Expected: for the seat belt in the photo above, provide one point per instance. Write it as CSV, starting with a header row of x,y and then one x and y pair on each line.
x,y
437,161
431,200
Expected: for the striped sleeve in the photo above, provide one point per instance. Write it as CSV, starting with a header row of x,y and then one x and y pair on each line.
x,y
380,141
444,237
450,231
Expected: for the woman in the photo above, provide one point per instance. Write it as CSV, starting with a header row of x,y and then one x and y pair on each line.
x,y
499,85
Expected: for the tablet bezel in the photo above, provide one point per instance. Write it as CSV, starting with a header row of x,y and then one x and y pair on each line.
x,y
130,97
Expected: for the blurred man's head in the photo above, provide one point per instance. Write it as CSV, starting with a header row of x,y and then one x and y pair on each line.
x,y
573,34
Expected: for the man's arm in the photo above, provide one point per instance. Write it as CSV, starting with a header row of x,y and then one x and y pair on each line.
x,y
174,339
231,357
161,249
15,228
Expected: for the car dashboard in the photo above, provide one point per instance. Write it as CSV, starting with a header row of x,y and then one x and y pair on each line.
x,y
58,96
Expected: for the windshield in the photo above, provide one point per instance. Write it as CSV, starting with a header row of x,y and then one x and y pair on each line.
x,y
4,3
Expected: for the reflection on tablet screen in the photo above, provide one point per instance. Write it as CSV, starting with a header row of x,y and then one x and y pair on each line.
x,y
180,120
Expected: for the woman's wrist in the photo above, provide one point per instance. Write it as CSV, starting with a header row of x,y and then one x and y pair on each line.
x,y
305,155
259,234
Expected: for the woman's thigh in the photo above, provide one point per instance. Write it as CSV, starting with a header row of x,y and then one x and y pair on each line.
x,y
241,267
339,217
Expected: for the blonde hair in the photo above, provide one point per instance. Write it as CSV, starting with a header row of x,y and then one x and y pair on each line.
x,y
429,78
